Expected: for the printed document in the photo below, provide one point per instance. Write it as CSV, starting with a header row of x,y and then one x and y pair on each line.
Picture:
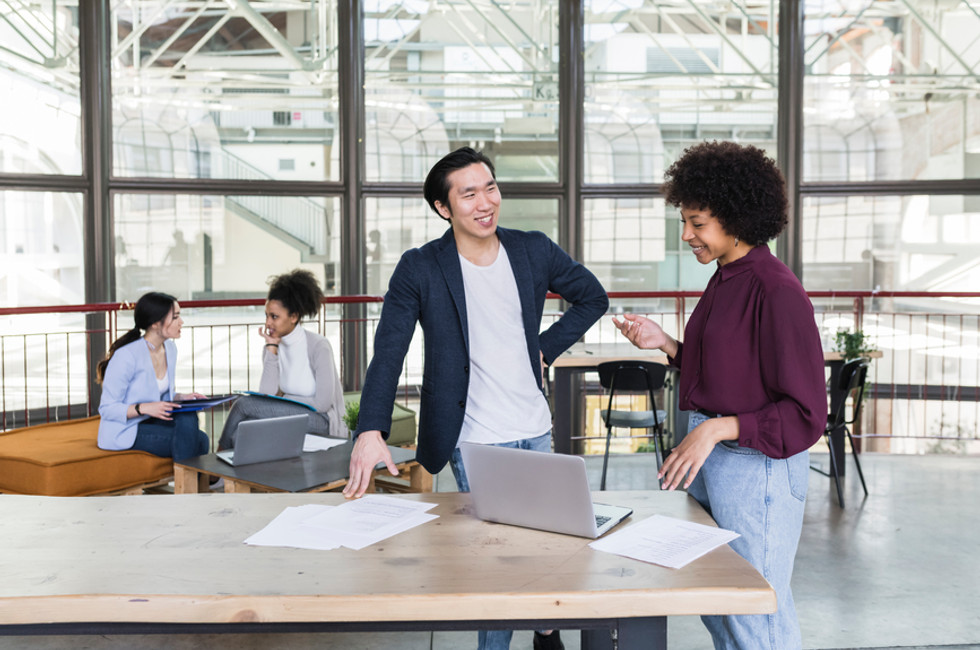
x,y
665,541
314,442
354,524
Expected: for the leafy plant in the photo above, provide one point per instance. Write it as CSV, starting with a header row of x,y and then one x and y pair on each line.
x,y
852,345
350,414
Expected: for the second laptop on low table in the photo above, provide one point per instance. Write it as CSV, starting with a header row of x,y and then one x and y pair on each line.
x,y
259,441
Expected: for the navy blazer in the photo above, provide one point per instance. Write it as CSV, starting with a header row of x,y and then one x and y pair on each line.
x,y
427,288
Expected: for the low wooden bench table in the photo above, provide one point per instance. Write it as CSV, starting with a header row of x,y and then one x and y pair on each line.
x,y
315,471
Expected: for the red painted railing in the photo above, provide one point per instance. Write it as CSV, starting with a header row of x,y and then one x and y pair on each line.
x,y
925,387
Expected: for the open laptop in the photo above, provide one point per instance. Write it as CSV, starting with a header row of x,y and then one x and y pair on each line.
x,y
259,441
536,490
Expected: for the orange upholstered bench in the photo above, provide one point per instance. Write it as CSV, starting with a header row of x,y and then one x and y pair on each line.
x,y
63,459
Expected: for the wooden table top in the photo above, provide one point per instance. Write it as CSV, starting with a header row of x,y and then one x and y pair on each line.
x,y
588,355
181,559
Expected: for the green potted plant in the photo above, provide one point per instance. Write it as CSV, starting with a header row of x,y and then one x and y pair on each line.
x,y
852,345
350,415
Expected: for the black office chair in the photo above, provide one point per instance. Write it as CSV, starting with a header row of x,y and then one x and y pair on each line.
x,y
632,377
850,382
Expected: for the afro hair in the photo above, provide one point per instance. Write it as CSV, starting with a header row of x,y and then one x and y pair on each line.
x,y
298,291
739,184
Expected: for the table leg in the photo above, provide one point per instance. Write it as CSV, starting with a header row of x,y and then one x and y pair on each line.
x,y
235,487
562,400
419,479
188,481
630,633
837,395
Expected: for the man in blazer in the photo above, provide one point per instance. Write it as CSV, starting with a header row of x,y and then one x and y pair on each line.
x,y
428,287
479,293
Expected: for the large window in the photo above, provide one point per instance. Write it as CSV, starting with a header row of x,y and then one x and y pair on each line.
x,y
444,74
39,86
208,246
891,91
248,93
660,77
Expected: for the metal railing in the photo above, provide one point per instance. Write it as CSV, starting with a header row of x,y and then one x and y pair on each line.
x,y
924,394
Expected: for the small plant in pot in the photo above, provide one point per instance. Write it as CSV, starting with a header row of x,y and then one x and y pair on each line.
x,y
350,415
852,345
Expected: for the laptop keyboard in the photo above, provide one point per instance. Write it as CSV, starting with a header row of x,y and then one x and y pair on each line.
x,y
600,520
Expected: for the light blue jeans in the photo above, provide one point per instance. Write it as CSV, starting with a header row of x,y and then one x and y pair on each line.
x,y
761,499
496,639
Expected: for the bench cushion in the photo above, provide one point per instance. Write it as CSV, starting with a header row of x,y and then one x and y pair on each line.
x,y
63,459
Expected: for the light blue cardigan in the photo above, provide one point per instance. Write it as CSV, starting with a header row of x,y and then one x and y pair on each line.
x,y
129,379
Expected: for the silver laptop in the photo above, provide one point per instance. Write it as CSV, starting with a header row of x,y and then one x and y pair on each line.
x,y
536,490
259,441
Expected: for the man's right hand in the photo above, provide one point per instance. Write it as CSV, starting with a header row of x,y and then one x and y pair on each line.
x,y
369,449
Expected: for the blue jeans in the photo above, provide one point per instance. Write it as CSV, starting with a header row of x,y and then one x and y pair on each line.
x,y
496,639
178,438
761,499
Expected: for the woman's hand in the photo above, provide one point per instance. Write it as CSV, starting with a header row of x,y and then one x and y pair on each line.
x,y
643,333
271,341
158,410
688,457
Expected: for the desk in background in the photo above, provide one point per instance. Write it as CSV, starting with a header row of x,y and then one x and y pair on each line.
x,y
586,357
152,564
314,471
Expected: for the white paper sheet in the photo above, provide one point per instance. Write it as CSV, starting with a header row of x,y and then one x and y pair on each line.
x,y
287,530
371,519
320,443
665,541
354,524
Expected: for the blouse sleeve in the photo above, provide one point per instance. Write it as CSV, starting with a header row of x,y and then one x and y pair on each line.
x,y
792,369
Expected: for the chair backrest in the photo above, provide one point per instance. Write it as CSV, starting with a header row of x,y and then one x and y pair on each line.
x,y
852,378
632,375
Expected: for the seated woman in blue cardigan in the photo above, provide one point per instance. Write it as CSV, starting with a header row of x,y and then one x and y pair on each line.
x,y
137,378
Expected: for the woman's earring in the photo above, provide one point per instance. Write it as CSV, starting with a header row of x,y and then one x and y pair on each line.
x,y
736,241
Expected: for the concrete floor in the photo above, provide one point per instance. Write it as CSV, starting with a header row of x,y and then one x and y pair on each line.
x,y
895,570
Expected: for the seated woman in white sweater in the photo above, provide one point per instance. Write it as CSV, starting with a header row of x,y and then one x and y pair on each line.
x,y
296,363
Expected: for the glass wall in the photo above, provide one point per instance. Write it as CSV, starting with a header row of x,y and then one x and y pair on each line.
x,y
246,94
205,246
234,147
891,91
442,74
660,77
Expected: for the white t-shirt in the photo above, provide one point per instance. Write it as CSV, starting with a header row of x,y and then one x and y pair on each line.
x,y
504,401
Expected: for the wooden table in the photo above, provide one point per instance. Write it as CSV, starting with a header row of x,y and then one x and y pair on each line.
x,y
585,357
315,471
177,564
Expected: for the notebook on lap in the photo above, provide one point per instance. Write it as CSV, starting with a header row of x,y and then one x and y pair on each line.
x,y
259,441
536,490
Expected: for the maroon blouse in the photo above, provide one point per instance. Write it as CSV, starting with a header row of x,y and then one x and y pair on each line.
x,y
752,349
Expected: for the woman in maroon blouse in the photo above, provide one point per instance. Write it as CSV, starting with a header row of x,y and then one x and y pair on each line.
x,y
752,375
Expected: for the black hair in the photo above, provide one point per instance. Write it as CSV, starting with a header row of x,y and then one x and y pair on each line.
x,y
298,291
739,184
151,308
436,187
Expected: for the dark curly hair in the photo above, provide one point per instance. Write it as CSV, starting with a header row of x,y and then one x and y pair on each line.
x,y
739,184
298,291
